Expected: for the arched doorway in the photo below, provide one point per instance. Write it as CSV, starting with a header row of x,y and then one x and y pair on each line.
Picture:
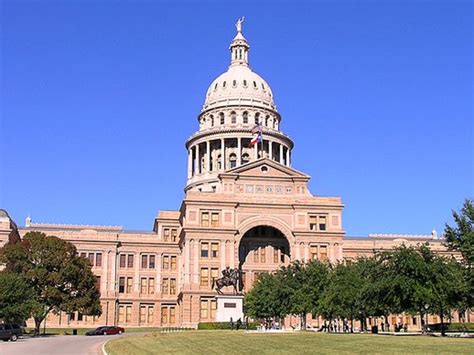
x,y
262,249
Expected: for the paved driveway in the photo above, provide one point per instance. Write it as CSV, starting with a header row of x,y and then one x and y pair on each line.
x,y
56,345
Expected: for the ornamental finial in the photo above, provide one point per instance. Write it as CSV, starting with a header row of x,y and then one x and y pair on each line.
x,y
238,24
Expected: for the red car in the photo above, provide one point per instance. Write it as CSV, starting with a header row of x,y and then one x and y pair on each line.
x,y
106,331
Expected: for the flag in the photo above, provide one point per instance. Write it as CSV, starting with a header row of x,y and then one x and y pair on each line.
x,y
257,128
257,138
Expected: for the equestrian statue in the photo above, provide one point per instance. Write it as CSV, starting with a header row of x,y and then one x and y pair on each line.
x,y
230,277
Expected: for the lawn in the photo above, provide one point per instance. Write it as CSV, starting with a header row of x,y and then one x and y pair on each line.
x,y
228,342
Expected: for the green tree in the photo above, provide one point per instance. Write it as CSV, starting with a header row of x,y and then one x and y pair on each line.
x,y
59,278
460,238
16,298
303,285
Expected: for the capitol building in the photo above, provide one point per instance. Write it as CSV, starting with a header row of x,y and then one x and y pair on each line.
x,y
245,207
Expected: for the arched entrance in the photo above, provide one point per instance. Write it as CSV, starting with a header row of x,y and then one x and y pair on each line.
x,y
262,249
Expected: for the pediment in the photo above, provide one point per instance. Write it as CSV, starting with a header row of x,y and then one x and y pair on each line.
x,y
266,168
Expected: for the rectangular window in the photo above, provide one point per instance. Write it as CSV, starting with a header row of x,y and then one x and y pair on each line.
x,y
172,286
214,273
205,219
314,252
204,250
97,283
72,316
214,219
172,315
165,286
262,255
129,284
121,284
121,317
123,259
166,234
164,315
322,223
98,259
174,235
91,258
255,255
215,250
130,261
128,314
151,264
204,305
174,262
144,261
323,252
143,285
151,285
143,314
204,277
275,255
151,313
213,309
313,222
80,316
83,255
166,262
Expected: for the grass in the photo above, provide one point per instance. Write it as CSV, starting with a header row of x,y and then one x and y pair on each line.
x,y
229,342
82,331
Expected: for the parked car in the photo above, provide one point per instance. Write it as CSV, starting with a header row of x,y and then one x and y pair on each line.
x,y
10,332
106,331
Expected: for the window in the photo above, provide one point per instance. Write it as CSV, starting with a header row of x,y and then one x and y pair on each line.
x,y
255,255
204,309
212,120
129,284
97,283
72,316
144,261
214,273
323,252
245,158
130,261
83,255
172,286
204,250
168,315
174,234
173,262
233,117
266,120
151,263
166,262
146,314
166,235
245,83
215,219
164,315
91,258
121,284
204,277
257,118
165,286
275,255
262,255
234,83
245,117
314,252
221,117
172,315
144,285
151,285
224,84
98,259
317,222
255,84
215,250
208,308
122,260
204,219
233,160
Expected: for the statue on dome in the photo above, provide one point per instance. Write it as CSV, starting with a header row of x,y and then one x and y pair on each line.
x,y
238,24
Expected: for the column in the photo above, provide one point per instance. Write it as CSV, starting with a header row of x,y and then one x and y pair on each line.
x,y
287,156
113,263
222,247
198,161
208,157
223,154
137,272
239,149
270,149
190,162
187,261
159,263
196,263
306,252
281,153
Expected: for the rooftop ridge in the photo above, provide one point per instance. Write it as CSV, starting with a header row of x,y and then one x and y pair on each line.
x,y
74,226
394,235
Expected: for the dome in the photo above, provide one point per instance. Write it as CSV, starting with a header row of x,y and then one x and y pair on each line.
x,y
239,86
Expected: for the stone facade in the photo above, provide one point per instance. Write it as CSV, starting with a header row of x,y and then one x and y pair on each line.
x,y
245,207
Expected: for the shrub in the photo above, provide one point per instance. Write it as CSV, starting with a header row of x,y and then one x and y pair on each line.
x,y
454,327
224,326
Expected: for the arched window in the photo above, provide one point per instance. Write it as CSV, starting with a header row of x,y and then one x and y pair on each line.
x,y
215,86
255,84
245,158
212,120
257,118
234,83
222,119
223,84
263,87
233,160
266,120
245,117
245,83
233,117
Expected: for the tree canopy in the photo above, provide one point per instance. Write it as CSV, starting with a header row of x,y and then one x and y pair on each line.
x,y
59,279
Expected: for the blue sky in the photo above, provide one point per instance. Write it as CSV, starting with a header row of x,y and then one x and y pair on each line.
x,y
98,98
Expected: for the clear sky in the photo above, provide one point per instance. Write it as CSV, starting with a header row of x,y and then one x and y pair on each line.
x,y
98,98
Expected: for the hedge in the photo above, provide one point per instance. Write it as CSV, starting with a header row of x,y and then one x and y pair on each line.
x,y
225,326
453,327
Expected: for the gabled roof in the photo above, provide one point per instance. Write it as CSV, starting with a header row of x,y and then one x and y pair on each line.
x,y
275,169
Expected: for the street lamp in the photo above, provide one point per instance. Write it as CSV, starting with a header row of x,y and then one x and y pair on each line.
x,y
427,306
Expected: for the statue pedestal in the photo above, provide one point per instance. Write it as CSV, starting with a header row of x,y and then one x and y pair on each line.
x,y
229,306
